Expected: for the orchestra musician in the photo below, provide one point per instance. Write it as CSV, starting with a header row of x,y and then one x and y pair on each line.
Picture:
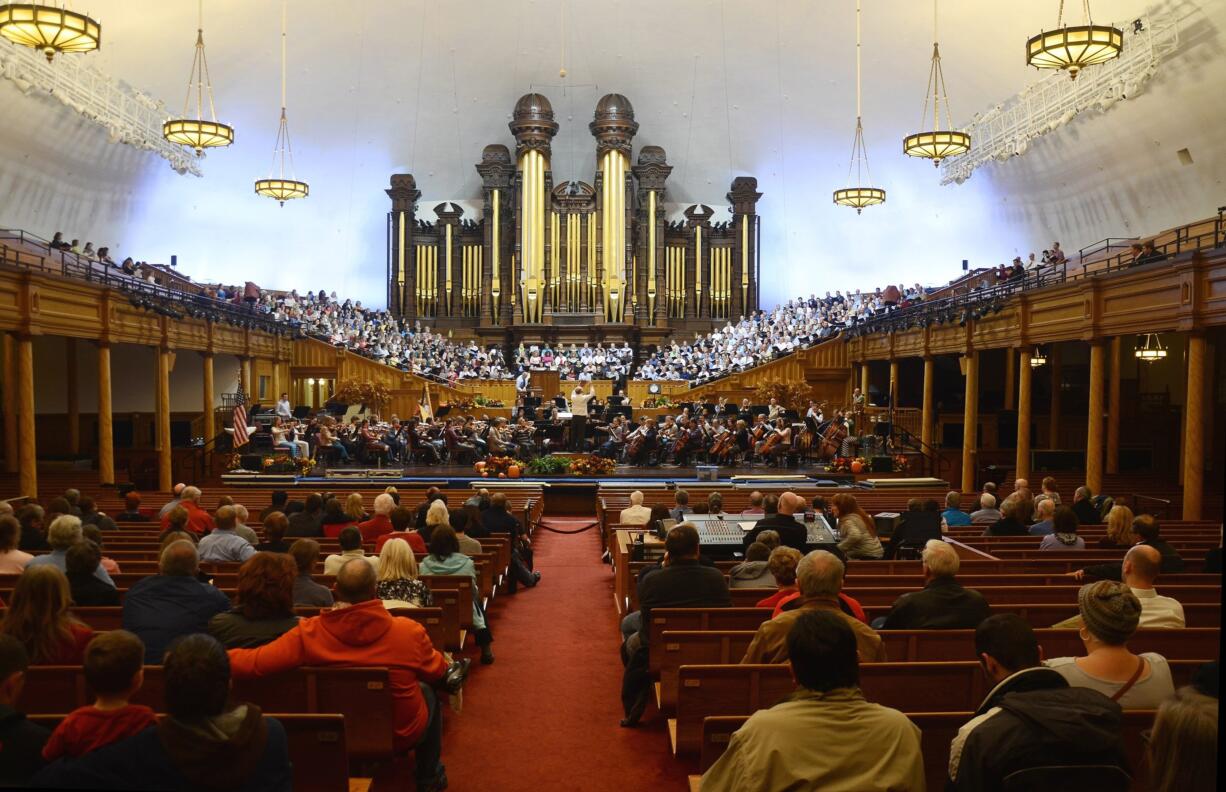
x,y
282,437
774,410
779,442
642,441
616,429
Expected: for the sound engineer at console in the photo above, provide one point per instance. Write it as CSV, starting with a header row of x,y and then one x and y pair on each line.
x,y
792,532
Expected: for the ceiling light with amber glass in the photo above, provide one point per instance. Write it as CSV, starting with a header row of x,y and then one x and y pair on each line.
x,y
49,29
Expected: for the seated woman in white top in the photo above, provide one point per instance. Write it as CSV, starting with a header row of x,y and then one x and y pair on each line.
x,y
1110,613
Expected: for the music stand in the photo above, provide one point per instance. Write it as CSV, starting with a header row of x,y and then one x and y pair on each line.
x,y
442,411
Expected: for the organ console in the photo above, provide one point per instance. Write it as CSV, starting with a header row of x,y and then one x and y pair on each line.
x,y
556,259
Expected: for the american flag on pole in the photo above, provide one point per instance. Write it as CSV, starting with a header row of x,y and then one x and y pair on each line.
x,y
241,438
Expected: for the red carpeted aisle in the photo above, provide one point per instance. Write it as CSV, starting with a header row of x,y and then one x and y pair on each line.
x,y
544,715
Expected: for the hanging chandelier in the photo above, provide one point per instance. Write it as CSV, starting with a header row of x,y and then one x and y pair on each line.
x,y
197,133
939,143
279,187
859,196
1037,358
1074,48
49,29
1151,350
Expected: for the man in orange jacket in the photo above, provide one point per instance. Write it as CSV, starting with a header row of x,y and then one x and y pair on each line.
x,y
360,632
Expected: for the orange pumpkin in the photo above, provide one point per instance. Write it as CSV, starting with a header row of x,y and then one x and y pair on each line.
x,y
479,466
857,466
485,474
513,471
502,475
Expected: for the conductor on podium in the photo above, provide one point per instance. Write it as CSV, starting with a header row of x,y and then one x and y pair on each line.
x,y
579,400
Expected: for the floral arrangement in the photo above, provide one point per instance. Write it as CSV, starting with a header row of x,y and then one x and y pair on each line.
x,y
500,466
274,463
461,406
900,463
657,401
549,465
233,461
481,401
374,395
591,465
848,465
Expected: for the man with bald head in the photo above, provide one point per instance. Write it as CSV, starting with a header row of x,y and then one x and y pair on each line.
x,y
173,603
360,632
792,533
1141,566
819,576
636,513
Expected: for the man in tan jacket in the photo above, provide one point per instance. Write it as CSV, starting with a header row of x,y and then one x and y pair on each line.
x,y
819,576
826,735
637,513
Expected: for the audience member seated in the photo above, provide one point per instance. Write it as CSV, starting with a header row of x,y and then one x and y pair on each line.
x,y
1119,528
1015,517
308,593
1142,564
350,541
177,492
81,561
32,538
819,577
275,526
792,532
114,671
1110,614
1182,747
224,544
65,531
782,566
445,558
380,522
309,521
459,524
857,530
1146,527
12,560
21,742
1048,491
987,512
203,743
38,616
921,522
399,586
1064,532
776,749
402,519
91,516
953,516
943,604
1083,506
280,503
264,603
172,603
755,504
636,513
681,506
364,634
1044,511
496,520
131,509
334,518
199,521
753,572
679,582
1032,717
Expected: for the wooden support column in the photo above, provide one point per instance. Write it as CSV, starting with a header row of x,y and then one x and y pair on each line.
x,y
1113,408
1094,419
1053,433
74,399
10,403
864,381
970,423
106,433
893,397
27,452
276,379
244,377
162,419
210,427
1010,380
927,425
1194,430
1023,414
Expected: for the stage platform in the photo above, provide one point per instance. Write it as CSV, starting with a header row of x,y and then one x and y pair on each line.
x,y
624,476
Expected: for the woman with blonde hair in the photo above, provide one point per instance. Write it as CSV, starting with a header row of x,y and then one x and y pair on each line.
x,y
39,617
436,516
354,508
1119,528
857,530
399,585
1183,744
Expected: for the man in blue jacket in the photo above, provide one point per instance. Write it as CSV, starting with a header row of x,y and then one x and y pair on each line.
x,y
171,604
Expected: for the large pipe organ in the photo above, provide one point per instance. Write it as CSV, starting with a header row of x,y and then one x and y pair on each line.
x,y
568,259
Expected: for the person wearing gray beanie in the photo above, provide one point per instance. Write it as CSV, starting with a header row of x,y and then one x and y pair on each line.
x,y
1110,613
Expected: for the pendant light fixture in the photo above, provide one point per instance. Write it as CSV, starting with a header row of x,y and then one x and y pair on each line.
x,y
1037,358
198,133
1074,48
939,143
49,29
279,186
1151,350
860,195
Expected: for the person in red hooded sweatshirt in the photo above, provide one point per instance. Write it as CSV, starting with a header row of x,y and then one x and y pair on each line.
x,y
199,521
360,632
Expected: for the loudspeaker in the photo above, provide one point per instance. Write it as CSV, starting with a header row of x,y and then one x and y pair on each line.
x,y
881,464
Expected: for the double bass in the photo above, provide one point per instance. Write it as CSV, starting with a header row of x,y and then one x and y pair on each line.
x,y
722,445
832,439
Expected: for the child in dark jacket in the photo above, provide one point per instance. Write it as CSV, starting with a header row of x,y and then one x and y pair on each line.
x,y
113,669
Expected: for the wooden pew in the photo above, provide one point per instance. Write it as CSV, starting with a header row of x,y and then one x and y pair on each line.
x,y
708,690
317,750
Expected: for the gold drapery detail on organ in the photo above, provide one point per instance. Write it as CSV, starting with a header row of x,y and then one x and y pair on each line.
x,y
613,232
532,238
